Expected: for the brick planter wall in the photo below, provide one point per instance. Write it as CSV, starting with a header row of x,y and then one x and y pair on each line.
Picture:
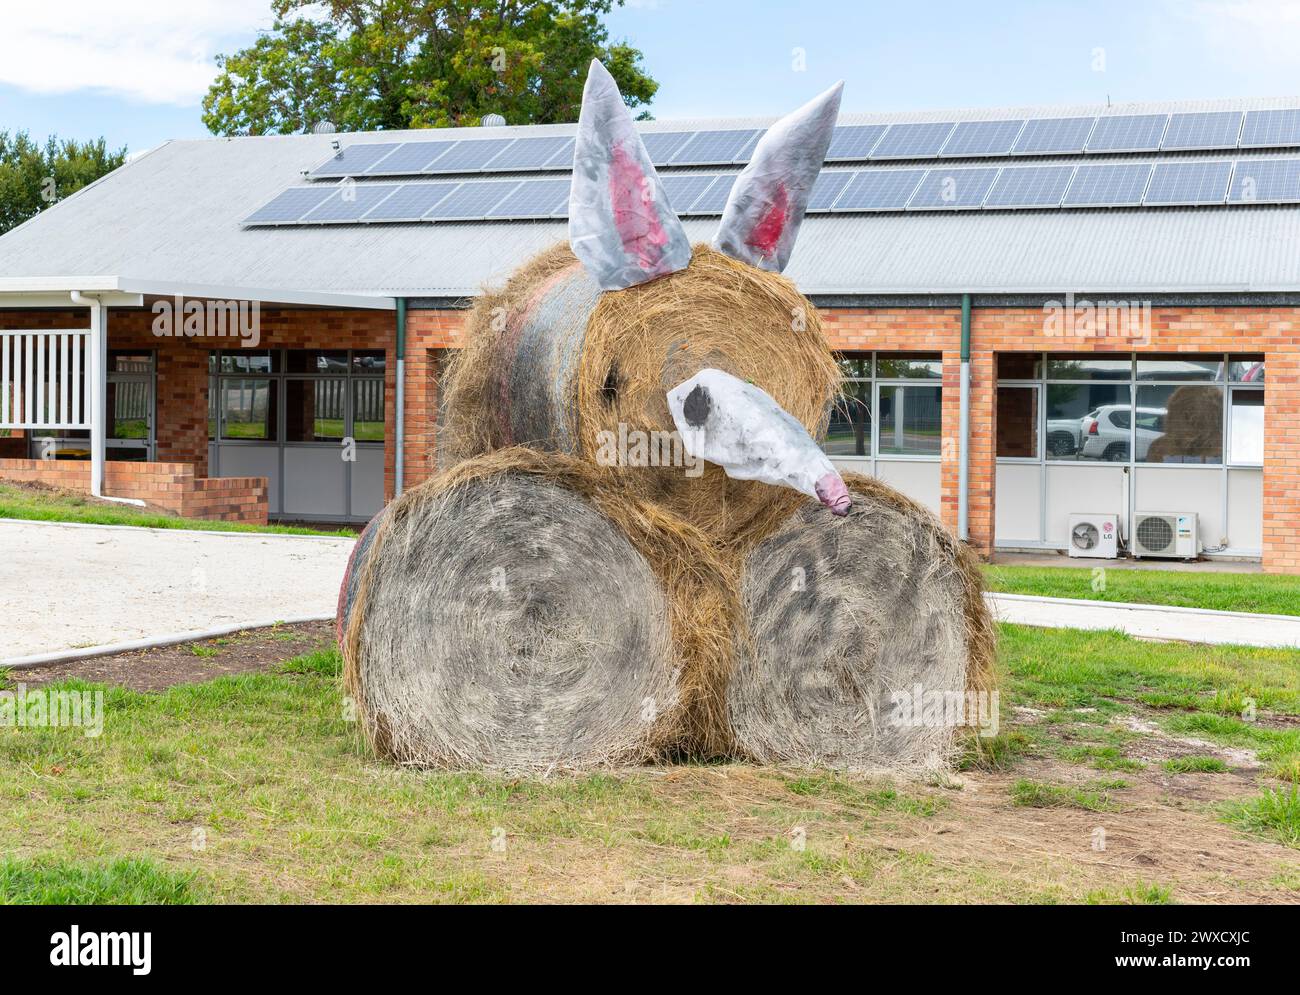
x,y
170,486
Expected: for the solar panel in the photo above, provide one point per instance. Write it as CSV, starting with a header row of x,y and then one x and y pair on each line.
x,y
714,198
1203,130
410,202
534,199
533,153
660,145
354,160
349,201
911,141
1108,185
469,156
409,158
855,141
1271,129
287,207
879,190
1128,133
683,188
1030,186
709,147
1265,181
1045,135
953,188
472,200
1193,182
983,138
827,187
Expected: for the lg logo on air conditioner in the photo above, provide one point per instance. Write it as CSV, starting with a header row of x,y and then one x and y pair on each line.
x,y
94,949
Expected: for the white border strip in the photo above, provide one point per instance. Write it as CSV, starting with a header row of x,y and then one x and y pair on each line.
x,y
182,532
109,649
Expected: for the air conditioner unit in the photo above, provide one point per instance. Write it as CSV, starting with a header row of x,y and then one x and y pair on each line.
x,y
1168,534
1094,536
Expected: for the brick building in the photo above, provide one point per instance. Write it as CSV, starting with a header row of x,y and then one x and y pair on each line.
x,y
1124,278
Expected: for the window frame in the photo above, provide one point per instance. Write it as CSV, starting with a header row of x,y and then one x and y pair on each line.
x,y
874,383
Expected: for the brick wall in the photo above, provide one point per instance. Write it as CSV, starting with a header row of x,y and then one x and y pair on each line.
x,y
170,486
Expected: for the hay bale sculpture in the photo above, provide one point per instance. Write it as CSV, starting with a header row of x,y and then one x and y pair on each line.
x,y
634,549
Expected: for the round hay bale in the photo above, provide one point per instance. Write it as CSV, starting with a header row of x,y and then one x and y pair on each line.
x,y
500,617
848,620
551,363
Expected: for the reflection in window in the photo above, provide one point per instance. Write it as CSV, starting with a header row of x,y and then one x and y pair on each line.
x,y
1018,422
1179,424
911,419
250,362
1087,366
850,426
248,408
1180,368
909,365
1246,427
1246,369
314,410
317,361
368,410
1088,421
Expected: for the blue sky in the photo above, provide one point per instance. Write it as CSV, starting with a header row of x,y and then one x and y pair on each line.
x,y
135,70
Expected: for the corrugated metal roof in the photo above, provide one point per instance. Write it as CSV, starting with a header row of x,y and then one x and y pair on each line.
x,y
174,215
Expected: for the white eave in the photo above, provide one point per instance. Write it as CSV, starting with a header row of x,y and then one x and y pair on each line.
x,y
48,291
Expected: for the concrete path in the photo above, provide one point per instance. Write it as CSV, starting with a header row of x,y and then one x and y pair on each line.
x,y
78,586
1193,625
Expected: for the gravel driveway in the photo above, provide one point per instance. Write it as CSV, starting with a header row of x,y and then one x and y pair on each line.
x,y
75,586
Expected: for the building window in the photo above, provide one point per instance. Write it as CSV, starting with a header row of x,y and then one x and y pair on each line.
x,y
297,396
910,413
1140,408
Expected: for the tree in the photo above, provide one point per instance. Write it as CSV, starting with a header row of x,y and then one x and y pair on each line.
x,y
370,65
33,177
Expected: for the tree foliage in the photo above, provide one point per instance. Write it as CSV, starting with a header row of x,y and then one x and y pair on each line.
x,y
369,65
34,177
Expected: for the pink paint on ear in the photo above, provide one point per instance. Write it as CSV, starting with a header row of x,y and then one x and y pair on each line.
x,y
635,216
832,493
767,233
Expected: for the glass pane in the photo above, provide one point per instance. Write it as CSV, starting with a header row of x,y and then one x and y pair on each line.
x,y
314,410
317,361
130,362
1203,368
368,409
1020,365
250,362
1018,422
369,361
1088,421
850,428
911,420
1180,424
921,365
855,365
212,405
1247,427
1246,369
1088,367
128,404
248,409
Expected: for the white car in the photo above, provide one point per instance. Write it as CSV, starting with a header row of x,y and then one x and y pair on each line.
x,y
1105,432
1063,437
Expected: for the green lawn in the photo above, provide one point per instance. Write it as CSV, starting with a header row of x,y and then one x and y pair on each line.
x,y
45,505
258,788
1271,594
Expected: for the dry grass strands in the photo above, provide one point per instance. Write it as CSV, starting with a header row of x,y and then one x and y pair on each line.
x,y
842,615
516,613
551,364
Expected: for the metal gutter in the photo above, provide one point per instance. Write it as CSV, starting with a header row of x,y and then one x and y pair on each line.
x,y
963,431
400,456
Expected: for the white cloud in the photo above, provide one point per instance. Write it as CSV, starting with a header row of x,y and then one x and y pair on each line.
x,y
144,50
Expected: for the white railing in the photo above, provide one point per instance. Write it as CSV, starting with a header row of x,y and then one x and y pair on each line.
x,y
43,379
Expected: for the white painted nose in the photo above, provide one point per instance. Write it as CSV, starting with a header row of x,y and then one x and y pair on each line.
x,y
742,429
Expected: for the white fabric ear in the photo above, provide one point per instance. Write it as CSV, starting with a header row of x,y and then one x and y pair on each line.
x,y
768,200
621,225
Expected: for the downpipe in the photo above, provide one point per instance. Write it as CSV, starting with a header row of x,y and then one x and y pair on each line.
x,y
963,429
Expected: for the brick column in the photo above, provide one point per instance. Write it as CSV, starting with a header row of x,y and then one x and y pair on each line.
x,y
1282,462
